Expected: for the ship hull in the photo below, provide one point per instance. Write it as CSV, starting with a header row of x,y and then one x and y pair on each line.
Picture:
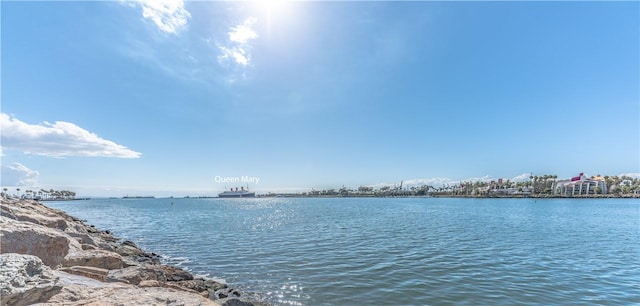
x,y
237,195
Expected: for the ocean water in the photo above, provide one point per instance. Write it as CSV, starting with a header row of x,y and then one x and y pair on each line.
x,y
411,251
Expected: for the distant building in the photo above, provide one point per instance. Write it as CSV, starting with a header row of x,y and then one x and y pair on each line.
x,y
481,191
580,185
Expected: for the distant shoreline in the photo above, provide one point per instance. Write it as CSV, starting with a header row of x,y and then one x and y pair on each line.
x,y
59,200
291,196
599,196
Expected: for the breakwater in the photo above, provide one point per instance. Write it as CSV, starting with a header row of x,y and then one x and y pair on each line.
x,y
53,258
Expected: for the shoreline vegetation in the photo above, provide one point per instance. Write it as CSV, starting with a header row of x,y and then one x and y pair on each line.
x,y
545,186
50,257
542,196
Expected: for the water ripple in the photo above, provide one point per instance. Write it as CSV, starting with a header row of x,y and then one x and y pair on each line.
x,y
393,251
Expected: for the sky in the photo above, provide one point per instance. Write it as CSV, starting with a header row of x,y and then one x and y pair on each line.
x,y
168,98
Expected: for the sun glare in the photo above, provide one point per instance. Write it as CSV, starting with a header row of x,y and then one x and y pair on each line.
x,y
273,4
275,11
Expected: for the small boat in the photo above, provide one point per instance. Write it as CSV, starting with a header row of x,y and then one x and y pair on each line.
x,y
242,193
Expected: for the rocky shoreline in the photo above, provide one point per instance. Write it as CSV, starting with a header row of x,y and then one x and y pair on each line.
x,y
50,258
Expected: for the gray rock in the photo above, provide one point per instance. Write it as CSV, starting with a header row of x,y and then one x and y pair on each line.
x,y
5,211
34,212
202,285
88,247
25,280
94,258
136,274
51,245
237,302
54,247
79,290
224,293
83,238
90,272
129,243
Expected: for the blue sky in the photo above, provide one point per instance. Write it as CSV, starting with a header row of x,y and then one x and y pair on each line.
x,y
160,97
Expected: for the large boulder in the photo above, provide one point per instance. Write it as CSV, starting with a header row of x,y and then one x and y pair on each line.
x,y
238,302
6,211
51,245
54,247
133,255
201,285
34,212
79,290
39,223
25,280
136,274
94,258
83,238
90,272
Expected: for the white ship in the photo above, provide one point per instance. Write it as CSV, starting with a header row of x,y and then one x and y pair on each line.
x,y
235,193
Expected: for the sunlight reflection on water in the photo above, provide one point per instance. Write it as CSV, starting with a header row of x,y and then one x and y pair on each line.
x,y
405,251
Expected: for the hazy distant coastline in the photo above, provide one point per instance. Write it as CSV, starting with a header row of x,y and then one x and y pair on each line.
x,y
538,196
545,186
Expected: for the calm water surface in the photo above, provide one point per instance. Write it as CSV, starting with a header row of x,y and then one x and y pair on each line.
x,y
422,251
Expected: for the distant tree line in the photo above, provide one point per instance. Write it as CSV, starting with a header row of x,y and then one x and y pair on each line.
x,y
41,194
536,185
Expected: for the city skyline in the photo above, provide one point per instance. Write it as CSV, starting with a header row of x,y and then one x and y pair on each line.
x,y
162,97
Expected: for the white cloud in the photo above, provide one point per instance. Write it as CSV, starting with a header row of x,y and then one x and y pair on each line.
x,y
237,54
436,182
60,139
18,174
442,181
238,48
522,177
168,15
631,175
243,33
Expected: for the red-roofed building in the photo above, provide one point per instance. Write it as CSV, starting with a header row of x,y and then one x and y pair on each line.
x,y
580,185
